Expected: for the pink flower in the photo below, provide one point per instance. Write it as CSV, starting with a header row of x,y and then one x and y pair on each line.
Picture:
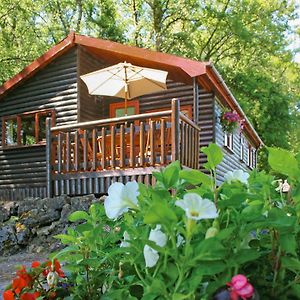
x,y
240,287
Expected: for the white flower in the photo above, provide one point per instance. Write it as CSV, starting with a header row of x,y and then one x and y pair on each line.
x,y
157,236
197,208
52,278
151,256
285,187
160,239
120,198
180,240
236,175
126,238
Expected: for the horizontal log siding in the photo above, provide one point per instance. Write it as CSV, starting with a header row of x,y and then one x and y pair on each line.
x,y
23,170
89,108
231,160
205,122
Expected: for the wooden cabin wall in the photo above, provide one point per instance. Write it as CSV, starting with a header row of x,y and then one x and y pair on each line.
x,y
231,160
88,107
205,122
23,169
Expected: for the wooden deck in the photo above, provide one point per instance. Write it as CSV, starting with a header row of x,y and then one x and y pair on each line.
x,y
87,157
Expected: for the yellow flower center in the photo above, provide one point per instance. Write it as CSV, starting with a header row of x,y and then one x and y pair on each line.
x,y
194,214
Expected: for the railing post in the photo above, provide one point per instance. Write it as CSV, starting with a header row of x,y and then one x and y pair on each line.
x,y
195,100
175,129
48,157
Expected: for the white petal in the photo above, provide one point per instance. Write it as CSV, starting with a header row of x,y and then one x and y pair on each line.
x,y
197,208
180,240
126,238
208,210
151,256
131,191
239,175
115,189
158,237
114,207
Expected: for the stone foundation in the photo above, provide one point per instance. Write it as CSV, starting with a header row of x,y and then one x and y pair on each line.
x,y
30,224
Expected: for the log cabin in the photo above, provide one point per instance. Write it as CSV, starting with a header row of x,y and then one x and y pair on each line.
x,y
57,139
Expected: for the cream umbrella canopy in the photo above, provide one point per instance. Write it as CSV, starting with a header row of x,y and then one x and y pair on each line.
x,y
126,81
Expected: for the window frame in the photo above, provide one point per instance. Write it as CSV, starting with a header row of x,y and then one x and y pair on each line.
x,y
251,162
242,148
36,114
114,106
228,141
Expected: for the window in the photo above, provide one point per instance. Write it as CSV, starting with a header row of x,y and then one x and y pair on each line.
x,y
117,110
242,148
251,157
228,140
26,129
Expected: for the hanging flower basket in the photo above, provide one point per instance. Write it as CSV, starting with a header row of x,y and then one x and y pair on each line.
x,y
230,121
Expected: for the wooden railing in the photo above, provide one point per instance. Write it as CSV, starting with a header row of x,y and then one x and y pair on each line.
x,y
144,140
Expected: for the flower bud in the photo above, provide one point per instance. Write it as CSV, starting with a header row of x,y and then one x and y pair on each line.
x,y
52,279
211,232
216,224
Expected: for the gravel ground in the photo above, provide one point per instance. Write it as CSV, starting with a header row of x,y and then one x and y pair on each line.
x,y
8,263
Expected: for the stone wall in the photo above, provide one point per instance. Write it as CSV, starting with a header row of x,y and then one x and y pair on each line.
x,y
30,224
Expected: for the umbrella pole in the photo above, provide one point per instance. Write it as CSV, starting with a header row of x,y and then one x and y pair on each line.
x,y
126,92
125,103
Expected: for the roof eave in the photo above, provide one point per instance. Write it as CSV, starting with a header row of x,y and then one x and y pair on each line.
x,y
224,92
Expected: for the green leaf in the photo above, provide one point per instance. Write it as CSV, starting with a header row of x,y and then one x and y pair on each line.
x,y
178,297
66,239
295,289
211,267
214,156
195,177
235,200
252,212
288,243
293,264
79,215
81,228
245,255
282,161
171,174
279,219
159,213
210,249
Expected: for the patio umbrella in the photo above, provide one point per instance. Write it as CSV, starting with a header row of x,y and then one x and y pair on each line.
x,y
126,81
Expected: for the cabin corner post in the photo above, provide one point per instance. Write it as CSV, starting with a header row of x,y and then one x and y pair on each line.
x,y
175,129
195,101
48,157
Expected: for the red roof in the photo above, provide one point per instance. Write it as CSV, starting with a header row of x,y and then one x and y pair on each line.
x,y
181,69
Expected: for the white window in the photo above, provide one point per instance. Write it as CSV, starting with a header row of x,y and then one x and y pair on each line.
x,y
242,148
251,157
228,140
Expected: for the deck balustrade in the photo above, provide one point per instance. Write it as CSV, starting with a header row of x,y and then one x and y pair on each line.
x,y
105,148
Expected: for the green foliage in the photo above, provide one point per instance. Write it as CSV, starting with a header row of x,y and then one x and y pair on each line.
x,y
256,233
91,256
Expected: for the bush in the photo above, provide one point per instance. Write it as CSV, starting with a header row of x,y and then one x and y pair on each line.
x,y
187,238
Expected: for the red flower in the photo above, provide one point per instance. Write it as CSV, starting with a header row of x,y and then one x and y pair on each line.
x,y
240,287
35,264
30,296
56,267
18,284
22,273
8,295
